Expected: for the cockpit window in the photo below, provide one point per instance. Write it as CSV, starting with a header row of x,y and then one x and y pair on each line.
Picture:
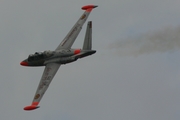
x,y
40,55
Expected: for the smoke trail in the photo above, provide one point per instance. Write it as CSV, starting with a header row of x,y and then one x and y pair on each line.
x,y
160,41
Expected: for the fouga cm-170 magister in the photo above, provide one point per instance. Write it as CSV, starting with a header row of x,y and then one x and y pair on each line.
x,y
63,54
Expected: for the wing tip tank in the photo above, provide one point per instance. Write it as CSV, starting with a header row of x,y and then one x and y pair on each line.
x,y
89,7
31,107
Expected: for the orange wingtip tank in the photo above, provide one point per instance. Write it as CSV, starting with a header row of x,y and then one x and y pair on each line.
x,y
32,106
89,7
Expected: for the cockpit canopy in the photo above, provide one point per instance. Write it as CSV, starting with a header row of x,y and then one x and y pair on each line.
x,y
40,55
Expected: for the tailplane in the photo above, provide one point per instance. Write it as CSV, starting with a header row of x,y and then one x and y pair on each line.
x,y
88,37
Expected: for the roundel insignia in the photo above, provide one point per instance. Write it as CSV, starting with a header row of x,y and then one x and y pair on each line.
x,y
83,16
37,96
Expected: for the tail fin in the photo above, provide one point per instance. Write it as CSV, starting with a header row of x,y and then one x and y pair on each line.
x,y
88,37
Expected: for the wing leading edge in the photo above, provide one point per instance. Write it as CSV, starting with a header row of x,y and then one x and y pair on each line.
x,y
74,32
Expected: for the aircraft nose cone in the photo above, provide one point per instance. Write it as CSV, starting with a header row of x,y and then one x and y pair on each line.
x,y
23,63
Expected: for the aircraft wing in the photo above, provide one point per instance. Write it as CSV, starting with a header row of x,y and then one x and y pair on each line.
x,y
73,33
48,74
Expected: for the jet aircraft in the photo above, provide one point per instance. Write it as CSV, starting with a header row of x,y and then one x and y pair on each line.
x,y
63,54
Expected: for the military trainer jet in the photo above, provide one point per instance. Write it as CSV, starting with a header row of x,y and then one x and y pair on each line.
x,y
63,54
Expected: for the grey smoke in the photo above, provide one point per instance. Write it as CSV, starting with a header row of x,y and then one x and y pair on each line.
x,y
164,40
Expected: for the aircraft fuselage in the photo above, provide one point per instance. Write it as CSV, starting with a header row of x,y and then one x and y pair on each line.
x,y
63,56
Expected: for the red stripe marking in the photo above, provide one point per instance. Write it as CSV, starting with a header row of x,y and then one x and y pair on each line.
x,y
77,51
35,103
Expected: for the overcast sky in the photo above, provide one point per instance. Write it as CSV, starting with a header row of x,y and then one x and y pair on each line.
x,y
135,74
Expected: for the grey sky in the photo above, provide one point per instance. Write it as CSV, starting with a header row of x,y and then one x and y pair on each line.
x,y
105,86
